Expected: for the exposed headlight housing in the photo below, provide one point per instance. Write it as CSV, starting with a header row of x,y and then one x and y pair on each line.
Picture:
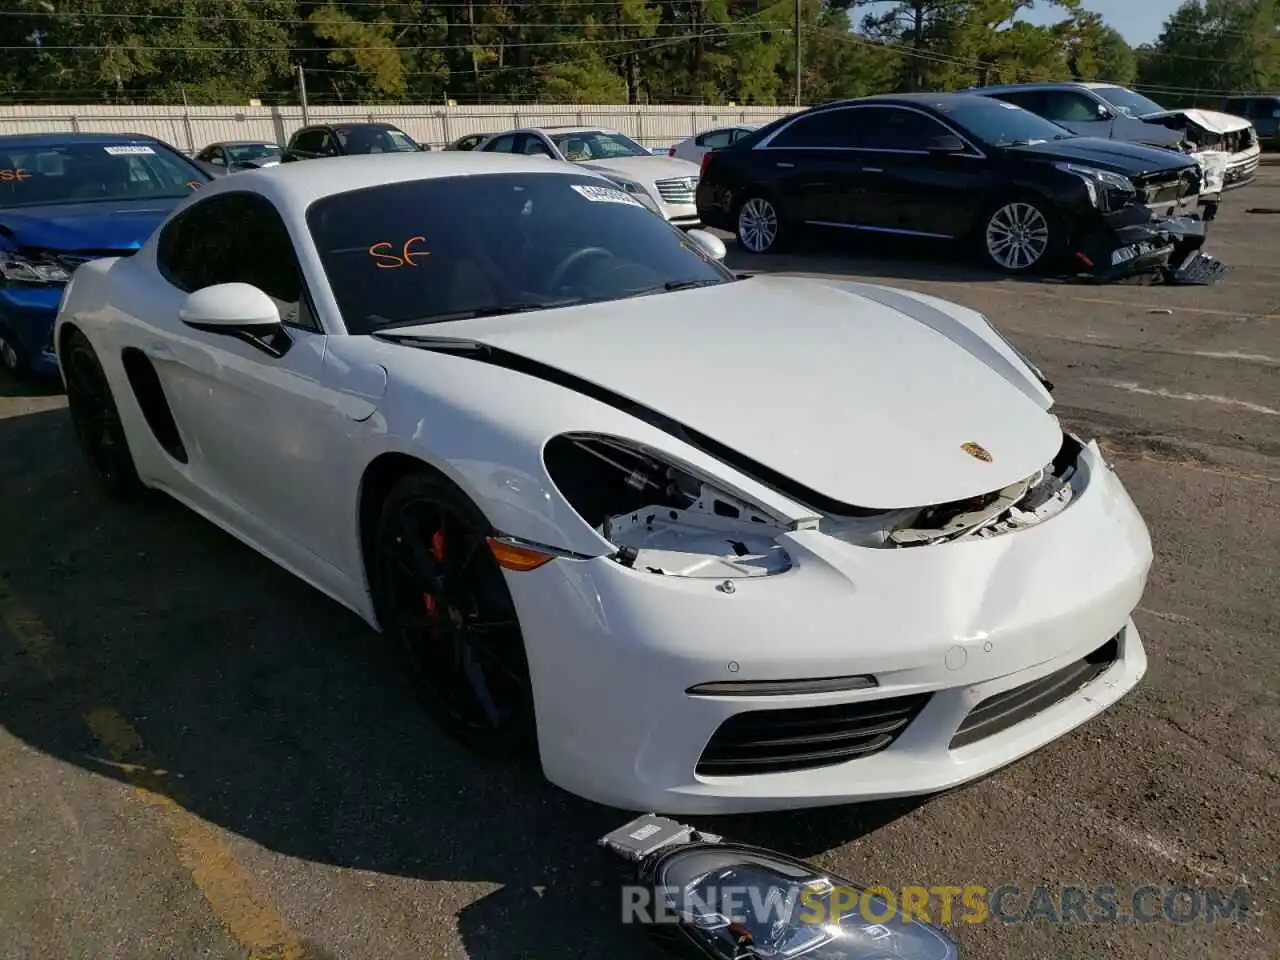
x,y
705,897
29,269
664,517
1107,190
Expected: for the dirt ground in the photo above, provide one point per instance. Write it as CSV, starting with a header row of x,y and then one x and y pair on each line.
x,y
204,758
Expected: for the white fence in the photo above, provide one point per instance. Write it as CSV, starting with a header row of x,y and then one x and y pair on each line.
x,y
190,129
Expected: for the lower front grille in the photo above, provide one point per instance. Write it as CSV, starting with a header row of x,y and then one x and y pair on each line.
x,y
780,741
677,191
1002,711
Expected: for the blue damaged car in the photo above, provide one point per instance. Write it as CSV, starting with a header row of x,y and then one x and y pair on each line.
x,y
66,198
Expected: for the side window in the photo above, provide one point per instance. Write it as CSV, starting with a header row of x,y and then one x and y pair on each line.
x,y
739,133
1066,106
234,238
887,128
533,146
504,144
327,146
826,128
308,141
715,139
1032,100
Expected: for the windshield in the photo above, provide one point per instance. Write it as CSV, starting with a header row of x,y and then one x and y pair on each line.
x,y
428,251
1001,124
371,139
597,145
1128,102
87,172
241,152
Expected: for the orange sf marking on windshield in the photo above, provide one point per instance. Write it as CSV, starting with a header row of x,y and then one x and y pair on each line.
x,y
386,260
19,175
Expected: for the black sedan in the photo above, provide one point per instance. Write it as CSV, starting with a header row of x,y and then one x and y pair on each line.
x,y
1023,191
348,139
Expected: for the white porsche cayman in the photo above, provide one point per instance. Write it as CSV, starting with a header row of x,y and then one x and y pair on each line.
x,y
699,543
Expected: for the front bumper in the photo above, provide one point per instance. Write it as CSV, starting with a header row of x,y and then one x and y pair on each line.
x,y
613,651
1242,168
1141,240
27,315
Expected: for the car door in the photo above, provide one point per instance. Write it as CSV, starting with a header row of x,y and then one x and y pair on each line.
x,y
258,423
811,170
911,182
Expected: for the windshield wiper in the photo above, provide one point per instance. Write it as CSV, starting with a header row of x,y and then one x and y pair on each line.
x,y
497,310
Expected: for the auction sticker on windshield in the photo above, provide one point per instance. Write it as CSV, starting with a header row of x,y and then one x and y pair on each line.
x,y
130,151
605,195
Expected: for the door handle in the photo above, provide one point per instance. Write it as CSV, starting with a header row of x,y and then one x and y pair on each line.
x,y
785,166
873,170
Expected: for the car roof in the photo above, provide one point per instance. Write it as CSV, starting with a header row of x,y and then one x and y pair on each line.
x,y
264,142
558,130
299,184
1045,85
935,100
67,139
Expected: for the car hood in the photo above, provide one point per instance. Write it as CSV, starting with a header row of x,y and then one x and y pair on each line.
x,y
1130,159
102,226
855,400
645,169
1210,120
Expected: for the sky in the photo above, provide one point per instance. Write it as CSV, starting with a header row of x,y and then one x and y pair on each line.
x,y
1139,21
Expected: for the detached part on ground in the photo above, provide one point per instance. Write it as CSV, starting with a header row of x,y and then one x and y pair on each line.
x,y
702,896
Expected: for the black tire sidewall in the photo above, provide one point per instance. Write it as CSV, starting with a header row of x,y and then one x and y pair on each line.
x,y
123,482
515,741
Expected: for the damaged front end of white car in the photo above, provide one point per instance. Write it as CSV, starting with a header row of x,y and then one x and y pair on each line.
x,y
1226,146
670,520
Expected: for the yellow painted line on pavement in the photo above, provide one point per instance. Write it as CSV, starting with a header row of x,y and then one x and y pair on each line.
x,y
226,885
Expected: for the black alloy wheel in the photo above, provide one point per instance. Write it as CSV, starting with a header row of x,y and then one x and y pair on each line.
x,y
441,596
97,420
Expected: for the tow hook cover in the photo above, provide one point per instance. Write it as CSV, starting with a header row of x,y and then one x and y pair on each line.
x,y
705,897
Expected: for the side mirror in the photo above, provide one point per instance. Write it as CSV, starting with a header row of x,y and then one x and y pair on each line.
x,y
1104,113
237,310
709,242
947,143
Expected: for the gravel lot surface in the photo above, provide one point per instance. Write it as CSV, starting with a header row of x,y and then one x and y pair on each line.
x,y
204,758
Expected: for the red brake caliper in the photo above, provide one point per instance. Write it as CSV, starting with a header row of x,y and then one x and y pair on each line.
x,y
437,552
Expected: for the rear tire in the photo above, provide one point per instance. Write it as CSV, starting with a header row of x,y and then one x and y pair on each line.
x,y
96,419
758,225
1020,235
442,598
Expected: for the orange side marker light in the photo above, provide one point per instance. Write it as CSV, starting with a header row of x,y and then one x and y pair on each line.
x,y
517,558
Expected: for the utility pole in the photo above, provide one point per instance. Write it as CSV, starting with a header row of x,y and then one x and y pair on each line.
x,y
302,94
797,39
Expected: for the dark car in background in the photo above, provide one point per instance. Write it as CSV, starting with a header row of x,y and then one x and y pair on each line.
x,y
348,139
1019,190
231,156
469,142
66,198
1263,112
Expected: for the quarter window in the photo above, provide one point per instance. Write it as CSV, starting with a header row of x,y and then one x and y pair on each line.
x,y
234,238
827,128
1063,106
715,139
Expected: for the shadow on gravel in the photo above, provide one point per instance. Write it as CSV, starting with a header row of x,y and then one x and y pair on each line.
x,y
281,717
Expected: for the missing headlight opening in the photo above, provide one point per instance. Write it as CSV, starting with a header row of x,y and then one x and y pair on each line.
x,y
665,520
662,518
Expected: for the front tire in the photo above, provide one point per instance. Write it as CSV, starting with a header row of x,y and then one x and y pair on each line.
x,y
10,357
441,597
96,419
1020,235
759,225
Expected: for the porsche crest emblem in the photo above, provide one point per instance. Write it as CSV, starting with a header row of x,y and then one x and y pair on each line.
x,y
976,451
